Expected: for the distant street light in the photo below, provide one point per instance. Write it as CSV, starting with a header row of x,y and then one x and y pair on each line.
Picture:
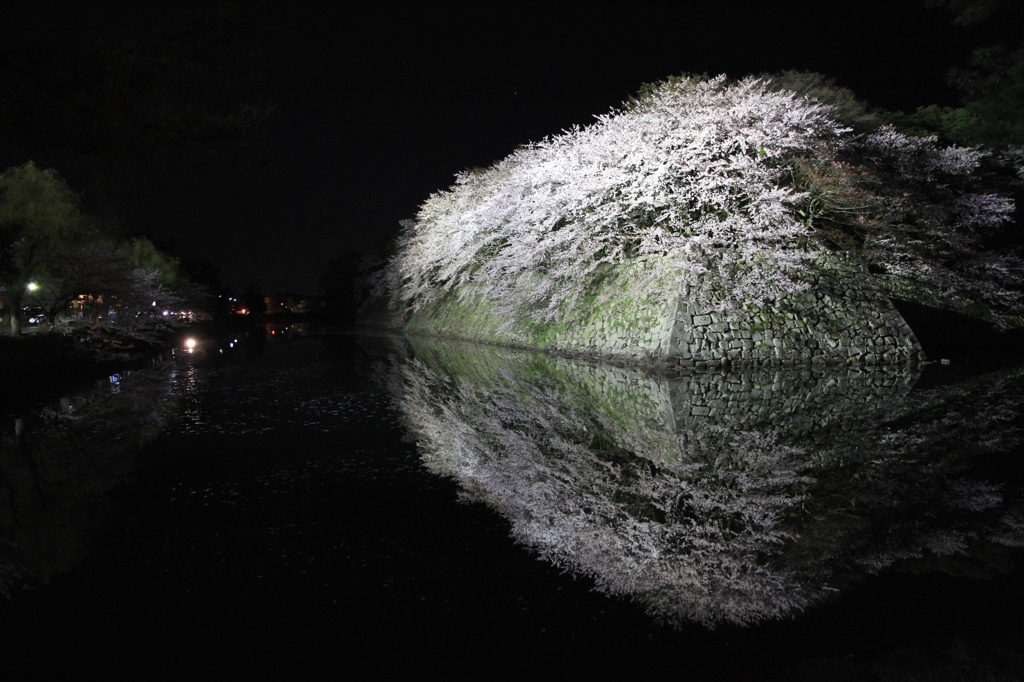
x,y
32,286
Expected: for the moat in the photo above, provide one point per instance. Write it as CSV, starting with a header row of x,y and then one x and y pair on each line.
x,y
349,503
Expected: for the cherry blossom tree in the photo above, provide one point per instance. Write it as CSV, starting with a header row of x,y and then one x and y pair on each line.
x,y
745,183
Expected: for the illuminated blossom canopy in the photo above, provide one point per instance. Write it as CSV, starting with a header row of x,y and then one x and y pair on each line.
x,y
746,182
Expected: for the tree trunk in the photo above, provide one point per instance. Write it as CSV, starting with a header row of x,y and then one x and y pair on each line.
x,y
16,297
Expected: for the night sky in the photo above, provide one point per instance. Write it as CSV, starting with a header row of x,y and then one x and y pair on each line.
x,y
377,107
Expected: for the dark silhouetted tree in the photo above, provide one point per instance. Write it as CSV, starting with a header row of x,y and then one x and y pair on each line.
x,y
51,247
40,222
990,85
338,284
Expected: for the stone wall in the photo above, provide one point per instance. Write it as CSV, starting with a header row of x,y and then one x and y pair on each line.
x,y
843,316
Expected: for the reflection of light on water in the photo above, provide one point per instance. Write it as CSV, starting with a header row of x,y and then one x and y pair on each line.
x,y
185,384
235,400
293,330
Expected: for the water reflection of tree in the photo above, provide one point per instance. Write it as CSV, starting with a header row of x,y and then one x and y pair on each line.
x,y
754,509
927,487
54,477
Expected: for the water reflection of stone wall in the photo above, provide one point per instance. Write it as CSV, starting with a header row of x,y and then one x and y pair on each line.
x,y
722,497
815,406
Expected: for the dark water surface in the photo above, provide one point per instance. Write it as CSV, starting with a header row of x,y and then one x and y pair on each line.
x,y
376,505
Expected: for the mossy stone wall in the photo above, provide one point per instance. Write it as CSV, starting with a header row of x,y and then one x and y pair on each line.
x,y
842,316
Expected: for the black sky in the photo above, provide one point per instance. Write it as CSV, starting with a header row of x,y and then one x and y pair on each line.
x,y
377,106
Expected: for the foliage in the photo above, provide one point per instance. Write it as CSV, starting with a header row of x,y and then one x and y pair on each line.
x,y
140,252
49,242
915,209
990,87
39,211
40,222
990,114
844,103
967,12
741,184
940,209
